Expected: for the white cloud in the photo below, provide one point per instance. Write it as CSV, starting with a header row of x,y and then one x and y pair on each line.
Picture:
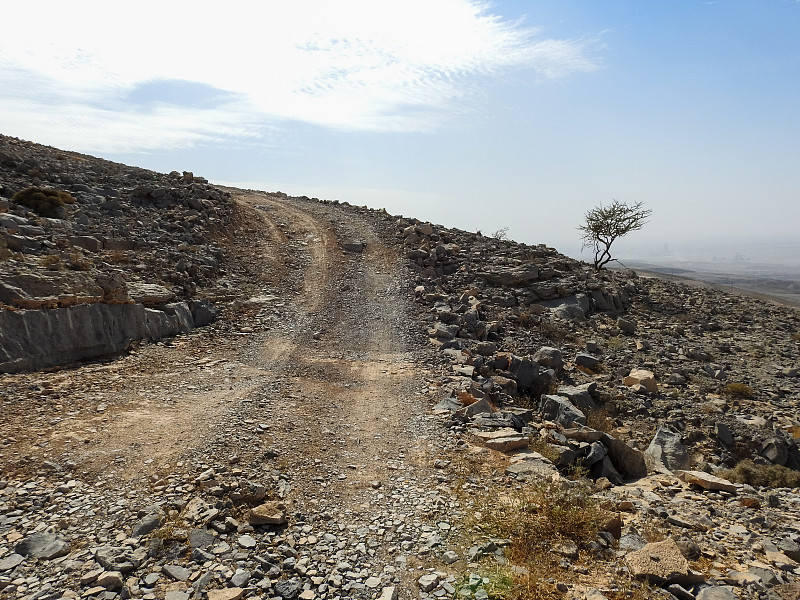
x,y
350,64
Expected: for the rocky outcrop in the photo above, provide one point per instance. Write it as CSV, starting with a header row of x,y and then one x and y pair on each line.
x,y
35,339
124,262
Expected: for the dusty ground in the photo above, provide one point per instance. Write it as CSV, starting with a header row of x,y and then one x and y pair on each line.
x,y
312,362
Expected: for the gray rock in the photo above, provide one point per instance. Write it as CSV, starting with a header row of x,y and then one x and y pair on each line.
x,y
147,524
666,453
176,572
560,410
626,326
42,545
200,538
549,357
582,359
629,462
115,558
580,397
288,589
717,592
724,434
9,562
35,339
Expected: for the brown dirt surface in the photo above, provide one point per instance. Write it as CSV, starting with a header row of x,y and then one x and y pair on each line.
x,y
312,361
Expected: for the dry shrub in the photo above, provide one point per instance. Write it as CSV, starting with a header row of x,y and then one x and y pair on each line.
x,y
600,420
543,513
466,398
762,475
45,202
51,262
738,390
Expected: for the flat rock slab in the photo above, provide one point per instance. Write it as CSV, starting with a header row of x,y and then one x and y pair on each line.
x,y
706,481
42,545
226,594
11,561
658,562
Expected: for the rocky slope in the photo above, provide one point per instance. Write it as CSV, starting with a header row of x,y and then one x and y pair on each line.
x,y
375,391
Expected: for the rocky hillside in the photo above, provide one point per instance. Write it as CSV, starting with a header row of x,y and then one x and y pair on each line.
x,y
131,247
374,406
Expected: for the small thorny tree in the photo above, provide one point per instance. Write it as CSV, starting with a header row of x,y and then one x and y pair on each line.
x,y
604,224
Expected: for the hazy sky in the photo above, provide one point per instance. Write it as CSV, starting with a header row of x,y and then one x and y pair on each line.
x,y
477,115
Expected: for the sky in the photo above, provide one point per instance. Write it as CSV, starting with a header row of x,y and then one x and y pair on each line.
x,y
470,114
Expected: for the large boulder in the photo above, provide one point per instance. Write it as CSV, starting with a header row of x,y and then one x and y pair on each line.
x,y
560,410
666,452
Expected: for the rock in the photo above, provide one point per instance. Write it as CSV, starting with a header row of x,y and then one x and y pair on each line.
x,y
42,545
716,592
269,513
233,593
147,524
203,312
288,589
449,557
149,294
629,462
666,453
428,582
626,326
588,361
9,562
560,410
476,408
198,511
176,572
549,357
641,377
706,481
504,440
35,339
658,562
111,580
388,593
724,434
115,558
579,397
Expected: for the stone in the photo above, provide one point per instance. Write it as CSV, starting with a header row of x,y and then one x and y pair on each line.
x,y
658,562
42,545
588,361
449,557
549,357
706,481
149,294
724,434
177,595
288,589
36,339
176,572
666,453
716,592
9,562
641,377
580,397
428,582
504,440
268,513
388,593
626,326
629,462
200,538
560,410
147,524
199,511
232,593
111,580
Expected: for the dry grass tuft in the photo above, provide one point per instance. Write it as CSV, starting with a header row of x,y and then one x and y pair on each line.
x,y
738,390
762,475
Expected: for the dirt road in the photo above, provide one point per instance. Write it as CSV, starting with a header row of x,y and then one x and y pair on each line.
x,y
308,383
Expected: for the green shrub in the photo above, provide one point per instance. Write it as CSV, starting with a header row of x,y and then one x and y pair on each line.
x,y
45,202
